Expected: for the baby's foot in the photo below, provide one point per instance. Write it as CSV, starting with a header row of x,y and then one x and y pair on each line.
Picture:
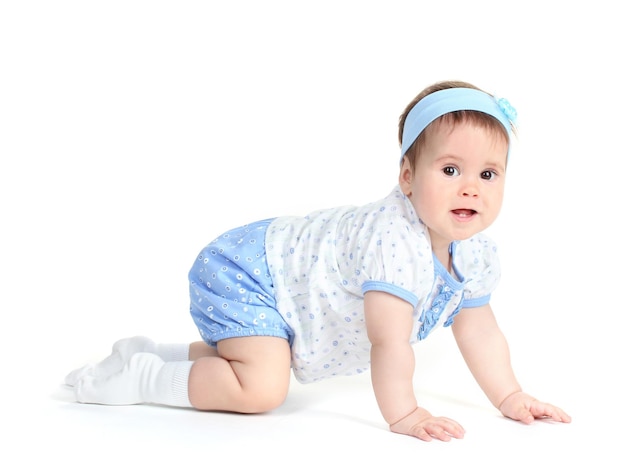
x,y
132,384
121,352
72,378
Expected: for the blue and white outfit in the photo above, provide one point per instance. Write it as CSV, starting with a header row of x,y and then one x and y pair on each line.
x,y
304,278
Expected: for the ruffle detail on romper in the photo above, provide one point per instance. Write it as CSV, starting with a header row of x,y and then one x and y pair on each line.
x,y
430,317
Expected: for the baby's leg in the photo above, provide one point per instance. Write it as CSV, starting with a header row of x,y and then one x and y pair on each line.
x,y
250,375
144,378
123,350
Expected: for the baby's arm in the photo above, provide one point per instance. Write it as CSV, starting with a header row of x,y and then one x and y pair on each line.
x,y
389,322
486,353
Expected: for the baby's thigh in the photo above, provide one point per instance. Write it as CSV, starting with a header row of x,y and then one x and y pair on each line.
x,y
261,363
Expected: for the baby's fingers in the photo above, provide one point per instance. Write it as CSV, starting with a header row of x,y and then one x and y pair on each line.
x,y
439,428
542,410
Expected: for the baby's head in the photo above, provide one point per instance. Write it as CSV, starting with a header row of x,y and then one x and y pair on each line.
x,y
455,144
465,104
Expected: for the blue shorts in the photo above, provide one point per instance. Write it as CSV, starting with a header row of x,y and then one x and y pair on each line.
x,y
231,290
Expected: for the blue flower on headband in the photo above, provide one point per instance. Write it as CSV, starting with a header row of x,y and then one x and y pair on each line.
x,y
507,109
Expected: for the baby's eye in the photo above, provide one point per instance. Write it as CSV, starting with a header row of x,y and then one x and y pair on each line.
x,y
488,175
450,171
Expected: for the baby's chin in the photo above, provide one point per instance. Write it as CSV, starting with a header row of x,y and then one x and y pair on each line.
x,y
465,234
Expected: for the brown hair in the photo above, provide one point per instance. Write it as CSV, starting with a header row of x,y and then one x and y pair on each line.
x,y
471,116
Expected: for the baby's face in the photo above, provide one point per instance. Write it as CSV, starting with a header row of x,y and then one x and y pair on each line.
x,y
458,184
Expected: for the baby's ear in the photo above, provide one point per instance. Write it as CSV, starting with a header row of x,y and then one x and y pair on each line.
x,y
406,177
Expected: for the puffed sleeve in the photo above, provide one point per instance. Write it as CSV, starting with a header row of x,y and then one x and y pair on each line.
x,y
395,257
476,259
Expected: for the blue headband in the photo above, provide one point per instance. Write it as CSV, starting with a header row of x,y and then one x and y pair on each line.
x,y
445,101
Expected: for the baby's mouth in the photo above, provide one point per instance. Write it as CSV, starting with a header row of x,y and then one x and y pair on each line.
x,y
464,212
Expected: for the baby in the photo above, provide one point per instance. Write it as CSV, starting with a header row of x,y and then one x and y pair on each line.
x,y
347,290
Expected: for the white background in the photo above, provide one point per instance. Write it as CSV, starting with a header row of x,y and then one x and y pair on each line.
x,y
132,133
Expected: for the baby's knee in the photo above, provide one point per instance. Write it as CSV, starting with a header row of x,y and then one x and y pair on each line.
x,y
260,401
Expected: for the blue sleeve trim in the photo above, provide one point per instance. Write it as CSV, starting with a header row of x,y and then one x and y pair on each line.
x,y
390,289
477,302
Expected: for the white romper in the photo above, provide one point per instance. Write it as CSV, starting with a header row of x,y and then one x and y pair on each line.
x,y
322,264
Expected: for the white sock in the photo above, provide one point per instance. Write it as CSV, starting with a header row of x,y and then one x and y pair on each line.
x,y
145,378
123,350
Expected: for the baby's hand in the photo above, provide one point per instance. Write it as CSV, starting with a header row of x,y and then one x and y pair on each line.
x,y
520,406
421,424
